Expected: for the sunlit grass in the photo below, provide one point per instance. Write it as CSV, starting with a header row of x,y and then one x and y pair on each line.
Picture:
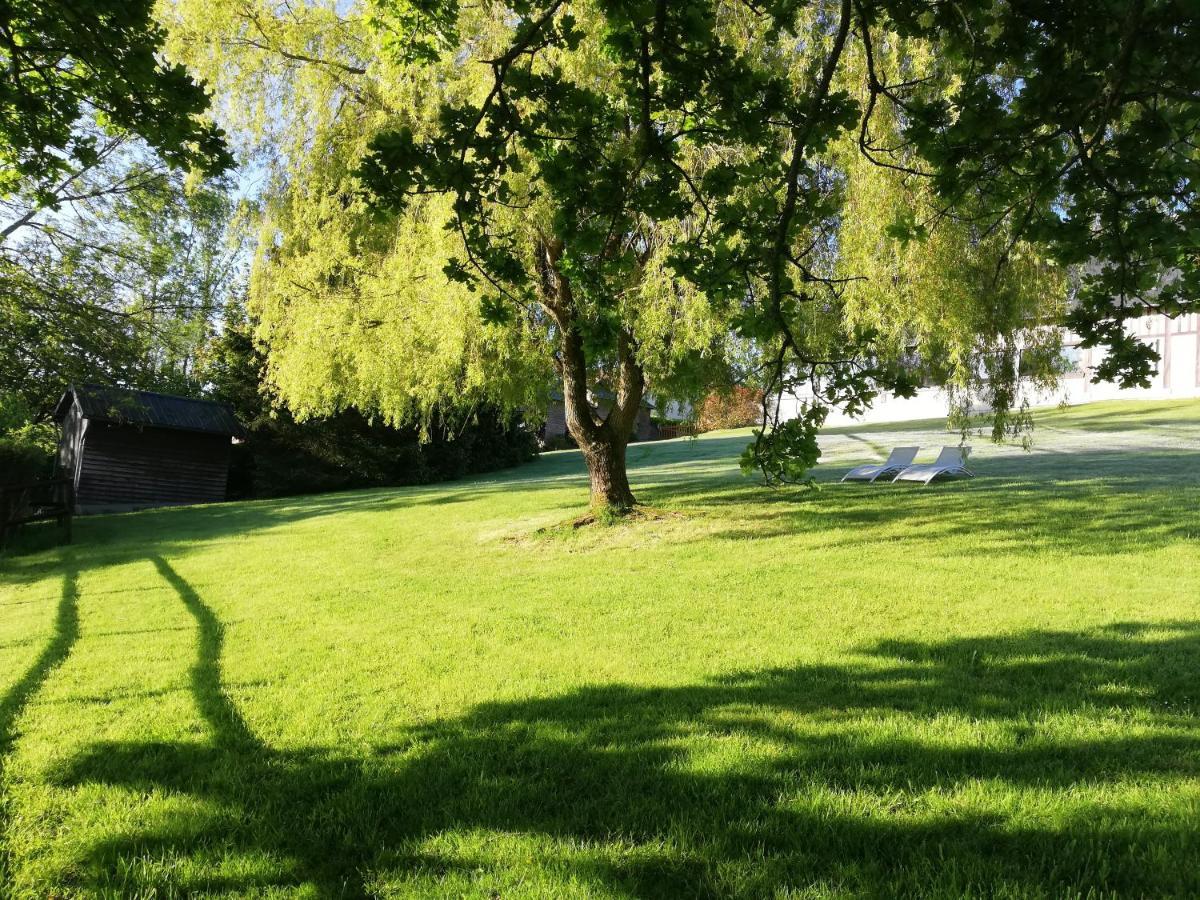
x,y
987,687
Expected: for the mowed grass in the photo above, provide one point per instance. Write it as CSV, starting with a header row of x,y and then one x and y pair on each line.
x,y
980,688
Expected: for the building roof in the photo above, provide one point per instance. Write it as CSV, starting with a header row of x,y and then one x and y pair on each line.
x,y
600,395
125,406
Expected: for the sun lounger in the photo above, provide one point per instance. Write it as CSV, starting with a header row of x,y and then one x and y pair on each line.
x,y
900,458
951,462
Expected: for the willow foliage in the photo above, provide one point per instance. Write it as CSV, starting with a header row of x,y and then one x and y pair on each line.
x,y
355,307
972,305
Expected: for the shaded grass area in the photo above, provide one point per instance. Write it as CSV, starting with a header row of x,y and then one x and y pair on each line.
x,y
984,688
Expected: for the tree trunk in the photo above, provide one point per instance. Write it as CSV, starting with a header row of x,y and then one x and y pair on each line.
x,y
601,440
605,460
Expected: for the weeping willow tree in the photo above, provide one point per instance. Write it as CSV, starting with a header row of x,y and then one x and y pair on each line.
x,y
472,201
970,305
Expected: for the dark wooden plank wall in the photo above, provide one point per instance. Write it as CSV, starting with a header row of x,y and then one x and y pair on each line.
x,y
125,466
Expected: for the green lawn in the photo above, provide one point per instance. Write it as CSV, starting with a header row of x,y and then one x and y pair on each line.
x,y
981,688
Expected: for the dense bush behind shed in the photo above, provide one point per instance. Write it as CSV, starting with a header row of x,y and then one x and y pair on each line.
x,y
23,459
282,456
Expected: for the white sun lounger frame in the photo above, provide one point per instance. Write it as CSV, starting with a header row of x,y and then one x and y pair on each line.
x,y
900,458
951,462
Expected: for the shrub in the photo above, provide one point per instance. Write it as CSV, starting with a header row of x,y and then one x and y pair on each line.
x,y
282,457
24,459
737,408
559,442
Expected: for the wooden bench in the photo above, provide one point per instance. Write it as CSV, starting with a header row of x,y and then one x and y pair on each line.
x,y
36,501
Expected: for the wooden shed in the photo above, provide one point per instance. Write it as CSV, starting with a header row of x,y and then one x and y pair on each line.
x,y
128,449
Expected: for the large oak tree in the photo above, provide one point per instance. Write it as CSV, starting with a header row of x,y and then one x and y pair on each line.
x,y
469,200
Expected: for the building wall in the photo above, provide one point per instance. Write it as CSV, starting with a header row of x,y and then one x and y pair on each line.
x,y
1178,377
556,420
1178,344
644,428
126,467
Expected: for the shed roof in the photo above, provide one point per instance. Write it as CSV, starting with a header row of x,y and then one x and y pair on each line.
x,y
125,406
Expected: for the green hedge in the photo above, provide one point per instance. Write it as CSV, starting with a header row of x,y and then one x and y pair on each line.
x,y
23,459
281,457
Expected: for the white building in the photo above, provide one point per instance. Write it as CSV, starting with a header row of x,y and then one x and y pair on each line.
x,y
1176,340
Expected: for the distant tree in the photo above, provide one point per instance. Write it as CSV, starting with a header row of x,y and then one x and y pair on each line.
x,y
959,302
121,283
1079,123
95,130
630,194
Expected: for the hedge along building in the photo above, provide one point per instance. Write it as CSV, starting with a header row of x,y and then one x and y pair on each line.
x,y
128,449
1177,342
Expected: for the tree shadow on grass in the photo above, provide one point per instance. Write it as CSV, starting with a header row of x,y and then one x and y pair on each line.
x,y
1012,493
1111,417
64,634
1103,416
109,540
130,533
829,777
